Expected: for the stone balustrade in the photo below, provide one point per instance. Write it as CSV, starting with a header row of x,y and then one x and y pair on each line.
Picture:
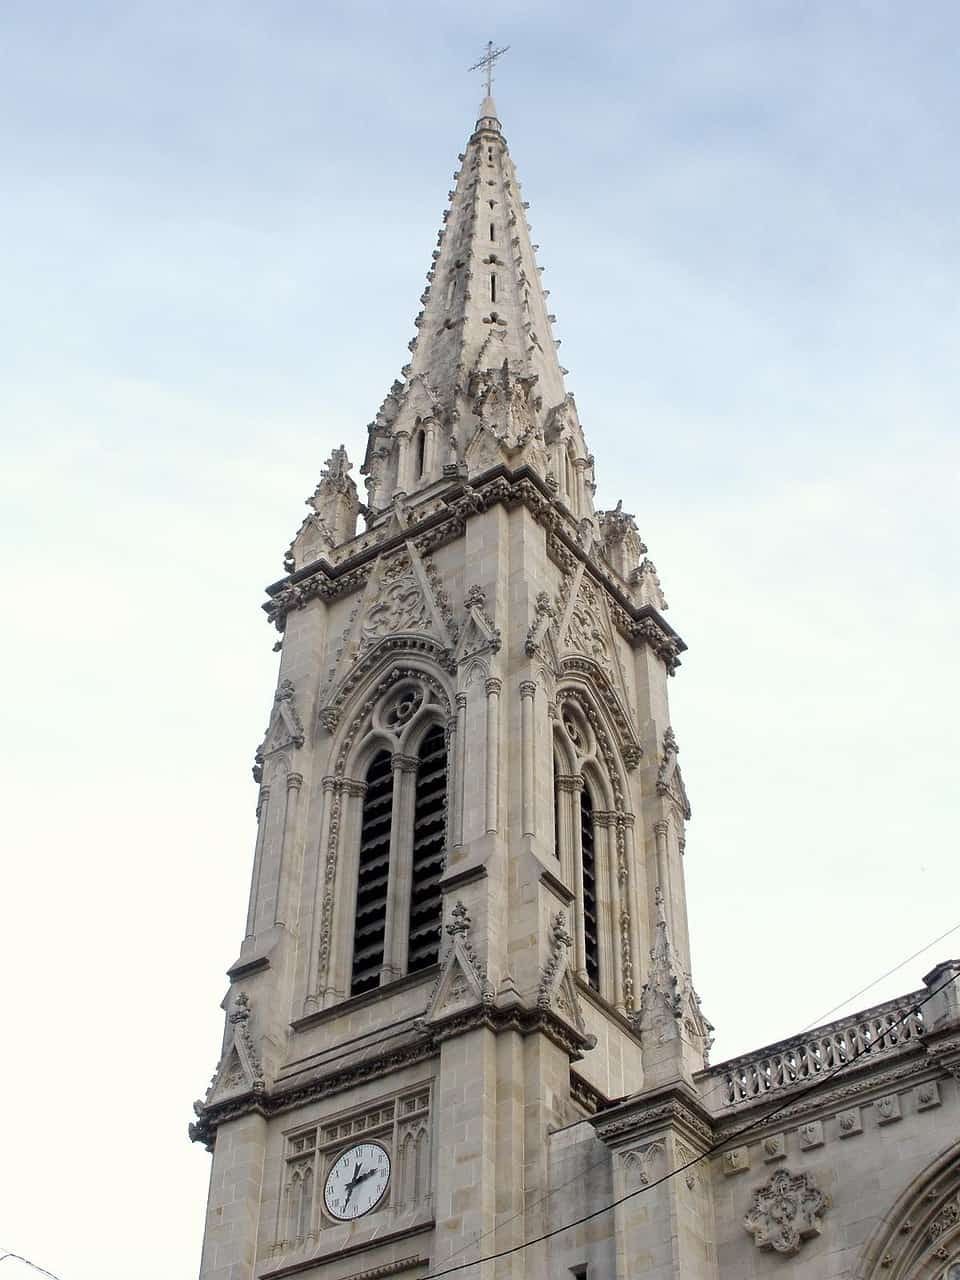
x,y
882,1030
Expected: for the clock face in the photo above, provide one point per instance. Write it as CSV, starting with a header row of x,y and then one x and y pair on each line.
x,y
356,1181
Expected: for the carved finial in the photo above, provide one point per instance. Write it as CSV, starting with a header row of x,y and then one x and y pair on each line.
x,y
460,920
476,598
241,1008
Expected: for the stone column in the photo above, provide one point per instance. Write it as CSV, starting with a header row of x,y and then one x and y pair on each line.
x,y
314,976
566,790
528,689
449,835
581,465
403,461
607,825
282,903
461,767
579,936
399,875
263,807
660,830
630,898
429,450
339,941
492,798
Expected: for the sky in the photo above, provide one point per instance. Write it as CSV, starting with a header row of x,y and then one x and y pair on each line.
x,y
215,228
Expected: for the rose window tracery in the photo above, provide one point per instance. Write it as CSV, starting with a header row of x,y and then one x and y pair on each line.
x,y
401,706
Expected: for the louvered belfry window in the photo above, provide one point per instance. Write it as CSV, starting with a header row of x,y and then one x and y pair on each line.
x,y
372,876
428,850
588,846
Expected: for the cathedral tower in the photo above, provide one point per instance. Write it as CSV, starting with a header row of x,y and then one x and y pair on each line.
x,y
467,927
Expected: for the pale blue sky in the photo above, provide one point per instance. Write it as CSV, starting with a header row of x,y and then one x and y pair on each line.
x,y
215,227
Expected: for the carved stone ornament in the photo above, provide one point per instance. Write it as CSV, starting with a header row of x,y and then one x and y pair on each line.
x,y
240,1069
284,730
786,1211
544,615
478,634
462,980
669,778
507,407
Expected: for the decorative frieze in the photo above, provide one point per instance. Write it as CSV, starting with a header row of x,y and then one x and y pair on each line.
x,y
774,1147
443,521
810,1135
888,1109
849,1122
927,1095
735,1161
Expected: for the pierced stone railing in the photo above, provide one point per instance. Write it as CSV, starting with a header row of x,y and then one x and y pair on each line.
x,y
868,1034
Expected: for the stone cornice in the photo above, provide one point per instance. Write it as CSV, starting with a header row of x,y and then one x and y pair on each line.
x,y
519,1018
271,1101
358,1247
674,1107
446,519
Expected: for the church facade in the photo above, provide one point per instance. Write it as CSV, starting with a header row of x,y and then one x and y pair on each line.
x,y
462,1025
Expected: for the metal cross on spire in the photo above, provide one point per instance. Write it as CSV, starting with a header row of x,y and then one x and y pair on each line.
x,y
486,64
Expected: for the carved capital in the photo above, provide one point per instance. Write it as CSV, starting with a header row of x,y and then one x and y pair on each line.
x,y
493,685
461,701
403,764
572,782
294,781
527,688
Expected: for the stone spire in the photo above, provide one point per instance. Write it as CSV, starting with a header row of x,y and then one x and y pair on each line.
x,y
484,383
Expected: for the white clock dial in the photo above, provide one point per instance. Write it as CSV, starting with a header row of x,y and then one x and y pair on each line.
x,y
356,1181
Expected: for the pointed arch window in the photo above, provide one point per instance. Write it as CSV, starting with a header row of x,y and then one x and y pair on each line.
x,y
419,451
582,847
300,1203
370,918
402,819
588,848
423,946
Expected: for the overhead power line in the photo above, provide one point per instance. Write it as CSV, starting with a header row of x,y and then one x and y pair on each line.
x,y
20,1258
821,1017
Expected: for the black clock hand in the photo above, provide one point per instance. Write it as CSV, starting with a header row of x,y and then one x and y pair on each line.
x,y
353,1182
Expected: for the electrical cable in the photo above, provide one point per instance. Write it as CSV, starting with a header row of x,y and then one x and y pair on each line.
x,y
20,1258
821,1017
713,1150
